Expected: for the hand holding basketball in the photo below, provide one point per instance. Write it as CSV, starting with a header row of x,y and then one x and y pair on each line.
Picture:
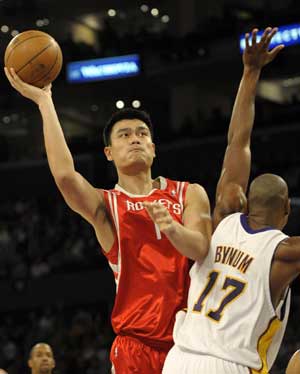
x,y
35,56
29,91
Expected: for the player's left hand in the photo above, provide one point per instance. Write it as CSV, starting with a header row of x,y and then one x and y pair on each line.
x,y
160,215
257,54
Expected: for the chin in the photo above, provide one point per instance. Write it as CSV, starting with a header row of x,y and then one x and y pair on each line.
x,y
136,167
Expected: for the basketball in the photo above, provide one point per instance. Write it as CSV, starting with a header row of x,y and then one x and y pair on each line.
x,y
35,56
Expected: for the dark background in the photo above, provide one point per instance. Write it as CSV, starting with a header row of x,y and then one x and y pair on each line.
x,y
55,284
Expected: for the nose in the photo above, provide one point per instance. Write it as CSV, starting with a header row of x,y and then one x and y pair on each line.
x,y
134,139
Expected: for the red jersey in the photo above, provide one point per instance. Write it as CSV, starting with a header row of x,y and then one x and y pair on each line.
x,y
151,276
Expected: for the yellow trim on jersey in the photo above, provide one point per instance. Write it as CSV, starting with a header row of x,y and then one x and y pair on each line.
x,y
264,343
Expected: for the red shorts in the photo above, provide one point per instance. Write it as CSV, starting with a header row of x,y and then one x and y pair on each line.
x,y
128,356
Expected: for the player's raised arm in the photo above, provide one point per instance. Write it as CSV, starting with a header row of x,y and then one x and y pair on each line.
x,y
192,238
235,172
78,193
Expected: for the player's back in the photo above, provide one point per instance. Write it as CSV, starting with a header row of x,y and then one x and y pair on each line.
x,y
230,313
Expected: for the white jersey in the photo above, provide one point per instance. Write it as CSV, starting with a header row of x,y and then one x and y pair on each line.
x,y
230,313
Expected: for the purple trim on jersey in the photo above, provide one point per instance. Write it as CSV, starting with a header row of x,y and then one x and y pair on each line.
x,y
247,228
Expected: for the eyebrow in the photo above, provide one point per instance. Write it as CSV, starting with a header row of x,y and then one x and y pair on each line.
x,y
141,127
123,129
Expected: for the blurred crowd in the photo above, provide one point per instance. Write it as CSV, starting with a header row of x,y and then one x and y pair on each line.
x,y
40,237
79,336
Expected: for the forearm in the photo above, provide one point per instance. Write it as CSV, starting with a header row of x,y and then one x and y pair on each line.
x,y
243,112
58,154
190,243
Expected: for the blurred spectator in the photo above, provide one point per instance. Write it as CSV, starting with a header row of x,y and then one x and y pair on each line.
x,y
41,359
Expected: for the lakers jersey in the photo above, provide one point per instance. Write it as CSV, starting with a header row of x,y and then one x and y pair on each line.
x,y
152,277
230,313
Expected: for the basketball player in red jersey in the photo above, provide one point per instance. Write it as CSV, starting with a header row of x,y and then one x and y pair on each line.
x,y
150,267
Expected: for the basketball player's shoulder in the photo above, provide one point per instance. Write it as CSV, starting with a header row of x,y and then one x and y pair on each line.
x,y
196,188
171,186
193,187
196,191
170,182
288,248
294,364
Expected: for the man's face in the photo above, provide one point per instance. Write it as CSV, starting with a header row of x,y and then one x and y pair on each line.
x,y
41,360
131,146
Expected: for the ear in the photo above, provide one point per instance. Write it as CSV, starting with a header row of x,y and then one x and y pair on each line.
x,y
153,147
288,207
29,362
107,151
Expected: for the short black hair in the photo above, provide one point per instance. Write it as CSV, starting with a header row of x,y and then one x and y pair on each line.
x,y
126,113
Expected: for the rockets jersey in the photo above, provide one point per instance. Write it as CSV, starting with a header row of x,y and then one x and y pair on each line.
x,y
230,313
152,277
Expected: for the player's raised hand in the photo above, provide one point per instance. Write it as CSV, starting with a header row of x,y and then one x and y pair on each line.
x,y
160,215
30,92
257,53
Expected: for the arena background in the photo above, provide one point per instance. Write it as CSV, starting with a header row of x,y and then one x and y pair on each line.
x,y
55,284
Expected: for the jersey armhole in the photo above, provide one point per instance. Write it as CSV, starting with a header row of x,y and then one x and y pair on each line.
x,y
112,254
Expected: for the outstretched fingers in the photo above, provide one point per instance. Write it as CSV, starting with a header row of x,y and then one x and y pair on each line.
x,y
264,38
247,37
269,36
274,52
254,37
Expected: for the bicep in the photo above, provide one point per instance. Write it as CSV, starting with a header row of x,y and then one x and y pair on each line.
x,y
89,202
196,215
236,168
81,196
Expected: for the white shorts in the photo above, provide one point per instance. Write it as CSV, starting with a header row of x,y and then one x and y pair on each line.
x,y
182,362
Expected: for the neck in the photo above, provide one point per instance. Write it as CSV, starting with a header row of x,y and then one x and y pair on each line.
x,y
260,221
140,184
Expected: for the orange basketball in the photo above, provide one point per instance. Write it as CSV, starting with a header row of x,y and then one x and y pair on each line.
x,y
35,56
